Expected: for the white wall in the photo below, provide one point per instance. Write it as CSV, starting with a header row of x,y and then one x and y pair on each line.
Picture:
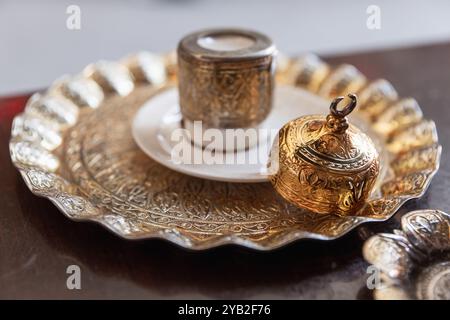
x,y
36,47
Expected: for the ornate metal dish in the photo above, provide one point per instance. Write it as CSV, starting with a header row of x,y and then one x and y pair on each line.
x,y
415,262
73,145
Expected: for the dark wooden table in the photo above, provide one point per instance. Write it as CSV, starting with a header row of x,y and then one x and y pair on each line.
x,y
37,243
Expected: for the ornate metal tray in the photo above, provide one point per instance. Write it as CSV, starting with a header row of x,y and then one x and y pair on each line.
x,y
73,146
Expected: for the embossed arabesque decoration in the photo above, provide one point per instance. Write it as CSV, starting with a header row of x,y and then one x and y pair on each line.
x,y
228,86
73,145
225,89
325,164
414,262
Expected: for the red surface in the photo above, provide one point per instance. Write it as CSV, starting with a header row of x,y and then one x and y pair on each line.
x,y
10,106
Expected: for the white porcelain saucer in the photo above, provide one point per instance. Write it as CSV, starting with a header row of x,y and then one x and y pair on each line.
x,y
155,123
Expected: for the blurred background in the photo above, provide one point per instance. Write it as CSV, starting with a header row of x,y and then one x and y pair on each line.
x,y
37,47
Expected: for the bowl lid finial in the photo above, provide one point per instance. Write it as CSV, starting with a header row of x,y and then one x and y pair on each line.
x,y
337,119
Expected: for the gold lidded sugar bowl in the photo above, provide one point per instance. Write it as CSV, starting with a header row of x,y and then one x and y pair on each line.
x,y
325,164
